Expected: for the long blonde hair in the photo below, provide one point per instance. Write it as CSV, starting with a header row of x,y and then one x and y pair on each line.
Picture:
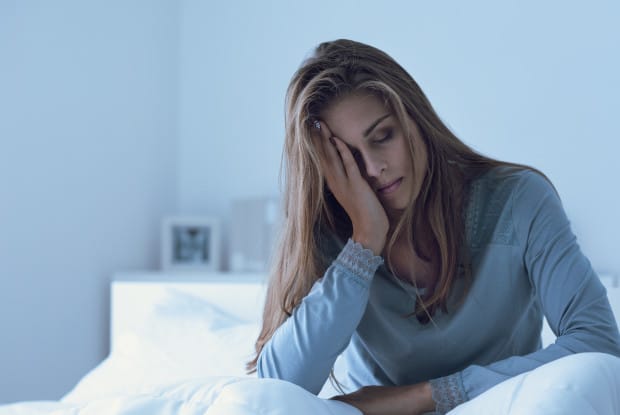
x,y
336,69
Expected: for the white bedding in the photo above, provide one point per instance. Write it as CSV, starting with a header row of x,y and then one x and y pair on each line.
x,y
185,355
584,384
203,396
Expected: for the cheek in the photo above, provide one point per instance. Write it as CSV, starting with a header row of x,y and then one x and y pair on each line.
x,y
407,161
422,158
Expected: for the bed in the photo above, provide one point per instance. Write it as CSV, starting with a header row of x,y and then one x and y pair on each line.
x,y
179,342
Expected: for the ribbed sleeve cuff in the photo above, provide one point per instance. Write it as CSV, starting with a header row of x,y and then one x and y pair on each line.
x,y
448,393
361,261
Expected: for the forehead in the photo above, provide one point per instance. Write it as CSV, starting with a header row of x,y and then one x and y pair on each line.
x,y
349,116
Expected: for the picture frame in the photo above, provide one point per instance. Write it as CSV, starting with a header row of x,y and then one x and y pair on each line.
x,y
190,243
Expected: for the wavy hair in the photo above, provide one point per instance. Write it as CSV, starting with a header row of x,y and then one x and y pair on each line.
x,y
334,70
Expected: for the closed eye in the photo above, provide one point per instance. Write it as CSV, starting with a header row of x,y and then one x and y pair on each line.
x,y
385,138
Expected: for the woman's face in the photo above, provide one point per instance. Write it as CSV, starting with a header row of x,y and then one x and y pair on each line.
x,y
377,141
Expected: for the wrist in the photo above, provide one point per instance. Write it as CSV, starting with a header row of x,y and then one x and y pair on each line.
x,y
368,242
422,398
359,260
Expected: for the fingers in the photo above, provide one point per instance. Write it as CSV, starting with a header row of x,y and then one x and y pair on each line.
x,y
335,152
351,169
330,159
324,138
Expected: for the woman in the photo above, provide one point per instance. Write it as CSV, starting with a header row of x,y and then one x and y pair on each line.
x,y
431,264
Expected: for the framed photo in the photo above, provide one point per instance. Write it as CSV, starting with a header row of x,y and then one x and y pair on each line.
x,y
190,243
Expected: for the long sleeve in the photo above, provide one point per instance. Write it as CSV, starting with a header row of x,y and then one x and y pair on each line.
x,y
304,348
572,298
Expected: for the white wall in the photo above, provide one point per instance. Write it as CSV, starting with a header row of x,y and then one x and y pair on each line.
x,y
528,81
87,168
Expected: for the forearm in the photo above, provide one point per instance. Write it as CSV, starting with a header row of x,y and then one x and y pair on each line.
x,y
423,398
392,400
455,389
304,348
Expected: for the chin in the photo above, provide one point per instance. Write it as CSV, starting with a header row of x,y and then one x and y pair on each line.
x,y
405,201
394,213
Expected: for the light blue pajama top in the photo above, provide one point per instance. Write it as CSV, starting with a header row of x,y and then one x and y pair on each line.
x,y
525,261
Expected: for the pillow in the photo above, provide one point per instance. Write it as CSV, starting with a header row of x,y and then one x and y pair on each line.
x,y
182,337
199,338
132,368
181,307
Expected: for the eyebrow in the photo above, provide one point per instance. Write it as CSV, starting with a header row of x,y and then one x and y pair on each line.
x,y
374,124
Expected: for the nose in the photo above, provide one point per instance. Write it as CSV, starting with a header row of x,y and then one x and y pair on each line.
x,y
371,165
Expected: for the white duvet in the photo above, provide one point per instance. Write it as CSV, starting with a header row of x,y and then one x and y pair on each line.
x,y
212,396
189,360
584,384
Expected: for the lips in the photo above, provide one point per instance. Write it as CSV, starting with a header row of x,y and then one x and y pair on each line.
x,y
390,187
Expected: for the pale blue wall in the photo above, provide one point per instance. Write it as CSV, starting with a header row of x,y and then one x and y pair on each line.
x,y
528,81
87,168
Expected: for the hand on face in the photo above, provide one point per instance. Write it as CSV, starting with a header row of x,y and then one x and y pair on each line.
x,y
351,190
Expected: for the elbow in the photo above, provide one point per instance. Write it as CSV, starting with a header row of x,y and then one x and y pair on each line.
x,y
263,368
602,340
615,345
269,366
609,345
607,341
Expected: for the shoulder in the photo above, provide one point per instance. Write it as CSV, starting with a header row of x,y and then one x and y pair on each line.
x,y
531,194
536,208
512,184
500,197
